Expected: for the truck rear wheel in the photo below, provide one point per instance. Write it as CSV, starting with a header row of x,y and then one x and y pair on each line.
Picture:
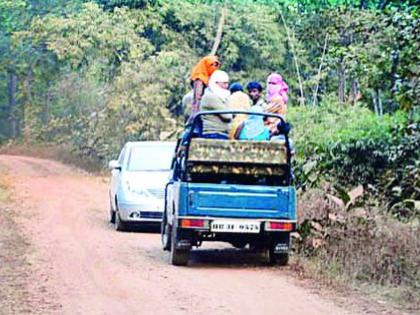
x,y
165,233
178,257
272,258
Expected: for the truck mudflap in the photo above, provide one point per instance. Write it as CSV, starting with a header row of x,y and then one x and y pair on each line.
x,y
281,247
237,201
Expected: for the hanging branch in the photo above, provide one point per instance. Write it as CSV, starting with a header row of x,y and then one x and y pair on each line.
x,y
319,71
219,33
302,98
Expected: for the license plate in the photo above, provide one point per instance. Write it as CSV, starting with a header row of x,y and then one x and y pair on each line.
x,y
235,226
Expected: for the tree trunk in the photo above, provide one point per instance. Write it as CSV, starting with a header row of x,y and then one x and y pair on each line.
x,y
341,85
380,107
382,4
302,97
354,92
27,85
394,68
219,33
12,104
315,97
363,4
377,102
46,108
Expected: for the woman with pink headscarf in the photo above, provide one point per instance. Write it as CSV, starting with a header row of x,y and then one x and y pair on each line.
x,y
277,99
276,87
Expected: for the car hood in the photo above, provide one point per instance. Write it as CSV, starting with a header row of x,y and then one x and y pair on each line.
x,y
146,180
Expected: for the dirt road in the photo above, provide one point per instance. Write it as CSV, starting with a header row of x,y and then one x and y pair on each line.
x,y
75,263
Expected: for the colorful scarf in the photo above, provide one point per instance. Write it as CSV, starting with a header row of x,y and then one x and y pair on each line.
x,y
205,68
276,87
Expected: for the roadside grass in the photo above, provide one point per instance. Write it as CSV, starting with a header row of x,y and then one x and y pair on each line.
x,y
4,188
4,195
360,247
62,153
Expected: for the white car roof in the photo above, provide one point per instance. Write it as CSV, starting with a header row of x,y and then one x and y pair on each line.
x,y
150,143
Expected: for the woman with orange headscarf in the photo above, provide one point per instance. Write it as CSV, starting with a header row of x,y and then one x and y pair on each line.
x,y
200,76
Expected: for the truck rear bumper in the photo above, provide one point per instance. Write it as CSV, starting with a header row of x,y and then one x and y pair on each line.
x,y
236,226
194,236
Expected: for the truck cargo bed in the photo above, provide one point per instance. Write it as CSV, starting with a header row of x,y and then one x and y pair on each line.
x,y
237,201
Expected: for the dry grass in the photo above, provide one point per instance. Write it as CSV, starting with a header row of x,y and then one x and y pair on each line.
x,y
361,247
62,153
4,187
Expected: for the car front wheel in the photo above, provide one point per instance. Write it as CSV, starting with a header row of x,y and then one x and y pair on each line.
x,y
111,213
119,224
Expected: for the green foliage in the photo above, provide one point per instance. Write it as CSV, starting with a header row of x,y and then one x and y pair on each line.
x,y
346,143
133,4
351,146
55,39
365,60
126,64
90,35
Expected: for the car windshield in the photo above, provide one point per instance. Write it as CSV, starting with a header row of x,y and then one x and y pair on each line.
x,y
150,158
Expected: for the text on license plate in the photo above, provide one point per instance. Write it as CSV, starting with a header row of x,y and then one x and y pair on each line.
x,y
235,227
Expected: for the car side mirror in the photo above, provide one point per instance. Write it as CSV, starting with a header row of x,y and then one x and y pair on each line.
x,y
114,165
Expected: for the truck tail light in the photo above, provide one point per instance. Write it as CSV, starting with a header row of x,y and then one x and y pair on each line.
x,y
193,223
279,226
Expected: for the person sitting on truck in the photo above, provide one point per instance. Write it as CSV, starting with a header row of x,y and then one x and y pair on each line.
x,y
255,93
253,128
277,99
215,98
276,87
186,104
276,106
240,101
200,76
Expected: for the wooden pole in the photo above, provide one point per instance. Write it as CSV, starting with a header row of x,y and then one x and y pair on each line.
x,y
219,32
302,98
319,71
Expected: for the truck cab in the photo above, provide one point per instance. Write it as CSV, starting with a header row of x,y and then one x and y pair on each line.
x,y
233,191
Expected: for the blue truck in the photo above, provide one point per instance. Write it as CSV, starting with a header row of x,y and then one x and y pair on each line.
x,y
233,191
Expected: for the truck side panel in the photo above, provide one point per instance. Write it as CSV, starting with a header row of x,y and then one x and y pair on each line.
x,y
237,201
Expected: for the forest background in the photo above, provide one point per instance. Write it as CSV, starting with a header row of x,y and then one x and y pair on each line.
x,y
88,76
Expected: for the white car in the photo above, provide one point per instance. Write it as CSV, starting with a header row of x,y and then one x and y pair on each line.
x,y
138,182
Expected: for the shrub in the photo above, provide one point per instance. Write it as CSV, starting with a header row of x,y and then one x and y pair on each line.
x,y
349,143
359,245
351,146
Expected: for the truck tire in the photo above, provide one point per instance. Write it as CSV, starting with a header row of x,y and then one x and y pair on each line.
x,y
165,234
239,244
281,259
178,257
